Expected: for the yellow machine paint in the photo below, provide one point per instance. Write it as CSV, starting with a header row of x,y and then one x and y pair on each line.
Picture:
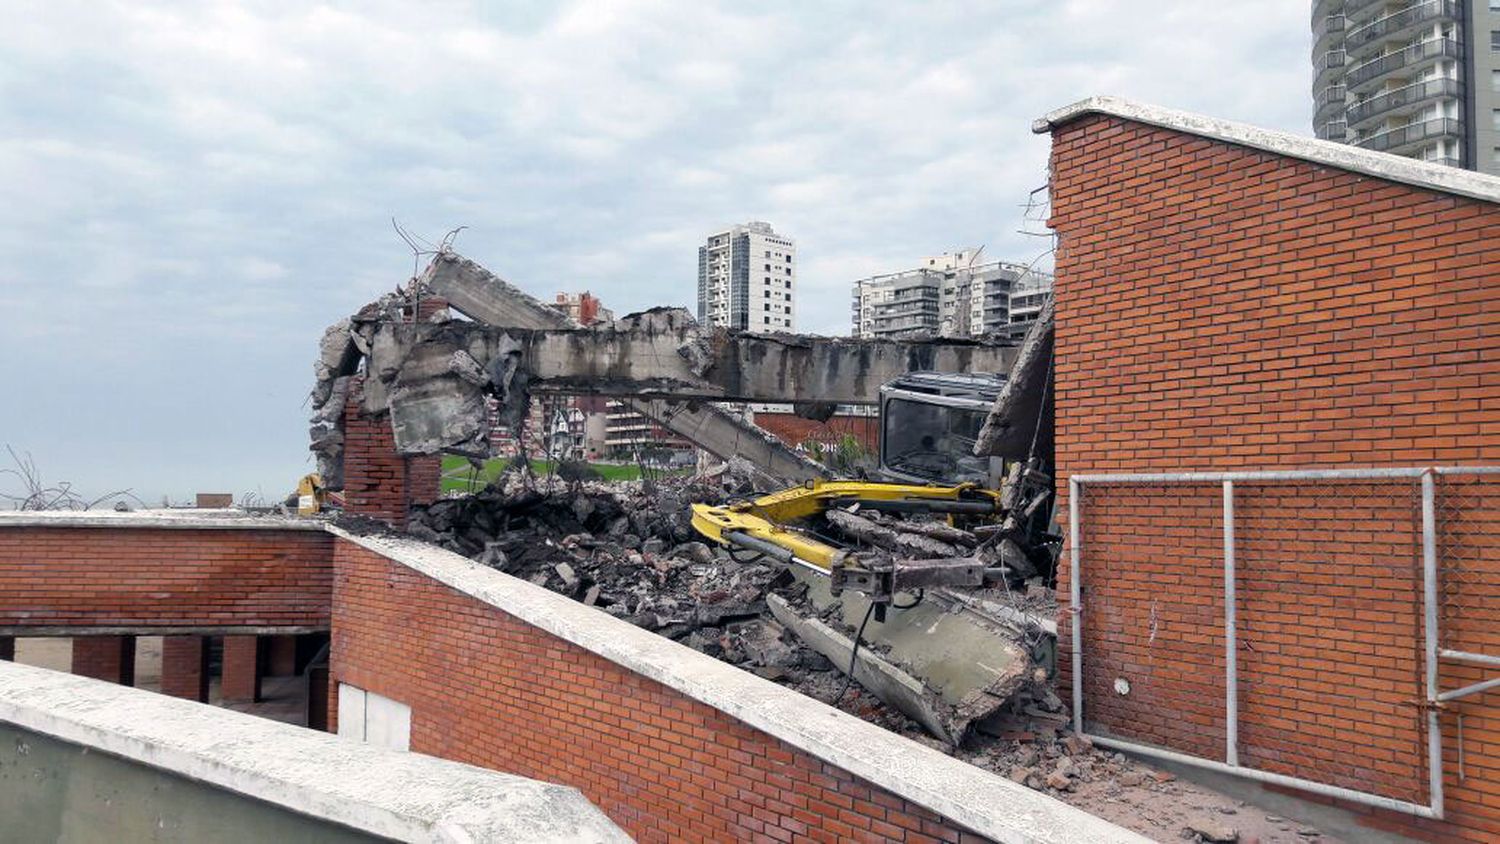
x,y
310,494
769,517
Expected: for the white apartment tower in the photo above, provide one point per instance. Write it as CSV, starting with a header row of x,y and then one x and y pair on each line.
x,y
1419,78
747,278
950,295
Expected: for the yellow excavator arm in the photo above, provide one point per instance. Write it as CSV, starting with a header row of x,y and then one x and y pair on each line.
x,y
766,525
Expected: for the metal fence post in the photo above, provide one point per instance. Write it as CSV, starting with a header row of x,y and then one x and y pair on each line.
x,y
1430,636
1075,597
1231,663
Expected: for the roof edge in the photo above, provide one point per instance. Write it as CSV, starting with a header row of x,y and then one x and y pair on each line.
x,y
1381,165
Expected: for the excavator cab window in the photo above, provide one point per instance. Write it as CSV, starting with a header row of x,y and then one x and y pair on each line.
x,y
929,424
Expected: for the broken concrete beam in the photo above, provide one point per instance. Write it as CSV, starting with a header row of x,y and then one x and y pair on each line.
x,y
726,436
475,291
1023,412
647,363
971,661
881,536
884,680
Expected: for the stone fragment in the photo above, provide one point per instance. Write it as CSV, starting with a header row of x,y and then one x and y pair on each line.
x,y
1208,829
1076,744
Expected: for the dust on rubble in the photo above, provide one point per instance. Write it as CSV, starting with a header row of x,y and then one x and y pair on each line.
x,y
628,548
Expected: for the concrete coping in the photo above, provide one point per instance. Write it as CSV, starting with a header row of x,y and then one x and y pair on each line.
x,y
977,799
1381,165
390,793
195,519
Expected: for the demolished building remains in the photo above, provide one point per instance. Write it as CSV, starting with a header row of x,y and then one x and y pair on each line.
x,y
432,376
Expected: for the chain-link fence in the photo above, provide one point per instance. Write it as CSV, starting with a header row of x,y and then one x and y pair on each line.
x,y
1283,626
1468,518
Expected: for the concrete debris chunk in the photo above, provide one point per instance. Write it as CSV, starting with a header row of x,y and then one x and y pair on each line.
x,y
1208,829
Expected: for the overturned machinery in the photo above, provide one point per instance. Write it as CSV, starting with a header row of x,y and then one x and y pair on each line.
x,y
935,561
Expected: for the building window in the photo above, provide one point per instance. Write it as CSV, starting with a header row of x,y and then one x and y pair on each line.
x,y
768,267
768,320
1497,156
768,253
1495,40
1495,80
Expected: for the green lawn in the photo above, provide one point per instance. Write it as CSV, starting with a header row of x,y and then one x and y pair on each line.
x,y
459,476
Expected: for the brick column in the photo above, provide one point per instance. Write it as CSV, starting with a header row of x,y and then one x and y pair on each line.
x,y
379,482
184,667
109,658
8,648
241,678
281,659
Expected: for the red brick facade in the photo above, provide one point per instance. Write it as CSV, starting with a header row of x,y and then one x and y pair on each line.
x,y
1221,308
109,658
490,690
241,670
378,482
143,578
184,667
794,430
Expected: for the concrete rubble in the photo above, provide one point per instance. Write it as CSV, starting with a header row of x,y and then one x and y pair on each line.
x,y
629,549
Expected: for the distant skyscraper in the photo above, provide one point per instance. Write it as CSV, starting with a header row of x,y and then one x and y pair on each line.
x,y
1419,79
747,279
950,295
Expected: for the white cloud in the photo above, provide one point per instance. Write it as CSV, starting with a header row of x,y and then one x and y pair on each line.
x,y
198,187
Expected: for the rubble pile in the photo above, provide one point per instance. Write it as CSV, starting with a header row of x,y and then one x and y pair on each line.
x,y
628,548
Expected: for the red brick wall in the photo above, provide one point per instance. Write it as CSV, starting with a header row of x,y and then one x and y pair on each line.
x,y
241,670
1222,308
794,430
108,658
184,667
379,482
487,689
145,577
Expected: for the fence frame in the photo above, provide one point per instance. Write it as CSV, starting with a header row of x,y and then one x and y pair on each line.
x,y
1427,477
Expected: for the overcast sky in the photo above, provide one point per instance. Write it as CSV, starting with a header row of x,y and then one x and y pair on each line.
x,y
194,190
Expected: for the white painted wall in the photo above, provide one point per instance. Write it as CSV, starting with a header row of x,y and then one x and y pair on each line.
x,y
374,719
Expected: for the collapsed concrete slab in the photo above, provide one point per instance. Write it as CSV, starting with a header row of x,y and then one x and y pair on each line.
x,y
1019,426
434,374
481,295
944,665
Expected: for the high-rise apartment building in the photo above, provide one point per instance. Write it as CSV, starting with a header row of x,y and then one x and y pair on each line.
x,y
747,279
1419,78
950,295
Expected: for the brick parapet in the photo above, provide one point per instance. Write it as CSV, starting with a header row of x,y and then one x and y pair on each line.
x,y
526,697
59,578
